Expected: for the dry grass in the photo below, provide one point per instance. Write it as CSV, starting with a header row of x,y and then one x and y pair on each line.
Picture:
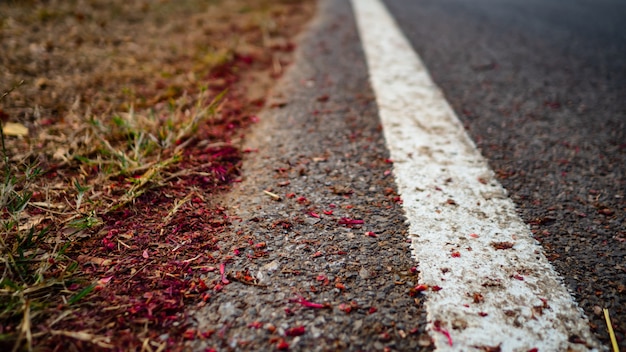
x,y
113,95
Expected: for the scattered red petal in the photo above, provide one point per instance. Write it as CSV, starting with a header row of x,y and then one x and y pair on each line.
x,y
456,254
420,288
189,334
473,235
372,310
350,222
301,300
282,345
436,288
296,331
290,195
317,254
145,254
320,278
255,325
314,214
519,277
340,286
331,205
371,234
328,212
437,327
483,314
223,275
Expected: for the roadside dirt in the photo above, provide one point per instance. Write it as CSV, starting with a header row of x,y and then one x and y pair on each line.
x,y
123,126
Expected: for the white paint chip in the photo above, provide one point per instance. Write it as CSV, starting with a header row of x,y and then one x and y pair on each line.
x,y
496,286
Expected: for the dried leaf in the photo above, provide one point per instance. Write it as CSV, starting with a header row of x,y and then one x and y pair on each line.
x,y
15,129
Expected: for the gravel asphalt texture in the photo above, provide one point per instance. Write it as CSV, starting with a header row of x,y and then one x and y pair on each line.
x,y
540,87
337,236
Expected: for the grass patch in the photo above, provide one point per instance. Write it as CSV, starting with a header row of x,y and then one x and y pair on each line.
x,y
126,117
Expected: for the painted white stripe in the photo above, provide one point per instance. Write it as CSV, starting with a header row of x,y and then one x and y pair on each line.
x,y
461,220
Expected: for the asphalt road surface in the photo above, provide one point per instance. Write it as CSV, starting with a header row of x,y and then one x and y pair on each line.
x,y
541,88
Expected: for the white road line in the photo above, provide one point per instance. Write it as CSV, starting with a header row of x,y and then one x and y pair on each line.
x,y
489,281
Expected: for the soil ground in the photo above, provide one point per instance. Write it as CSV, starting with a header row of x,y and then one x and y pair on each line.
x,y
123,124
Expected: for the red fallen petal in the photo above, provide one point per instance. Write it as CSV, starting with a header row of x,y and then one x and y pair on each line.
x,y
371,234
436,288
420,288
534,349
328,212
320,278
473,235
483,314
218,288
236,251
519,277
206,335
296,331
302,200
445,332
345,307
348,221
332,206
413,269
105,280
255,325
282,345
290,195
456,254
189,334
340,286
260,245
223,276
301,300
314,214
145,254
372,310
317,254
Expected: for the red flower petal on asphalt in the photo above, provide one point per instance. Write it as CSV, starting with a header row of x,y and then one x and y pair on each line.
x,y
348,221
328,212
255,325
437,327
371,234
314,214
189,334
301,300
296,331
223,276
282,345
420,288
